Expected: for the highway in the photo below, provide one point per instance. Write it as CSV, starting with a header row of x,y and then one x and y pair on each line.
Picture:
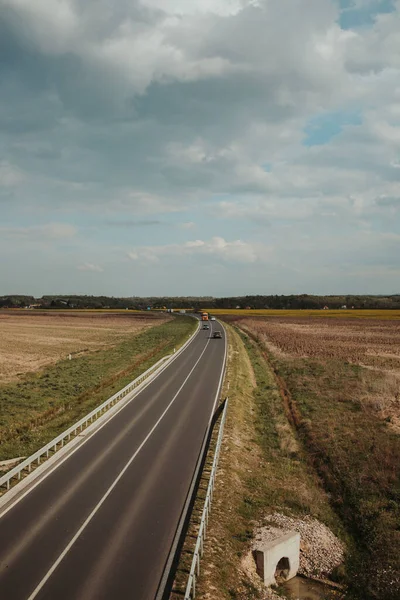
x,y
100,525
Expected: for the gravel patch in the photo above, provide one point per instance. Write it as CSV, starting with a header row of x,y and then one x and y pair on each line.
x,y
320,550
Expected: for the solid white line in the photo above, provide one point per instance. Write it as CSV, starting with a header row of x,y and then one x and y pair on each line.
x,y
95,430
110,489
167,567
222,374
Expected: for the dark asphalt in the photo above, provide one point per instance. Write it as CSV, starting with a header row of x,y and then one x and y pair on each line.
x,y
120,553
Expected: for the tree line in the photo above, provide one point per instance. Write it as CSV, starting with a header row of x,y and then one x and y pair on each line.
x,y
295,301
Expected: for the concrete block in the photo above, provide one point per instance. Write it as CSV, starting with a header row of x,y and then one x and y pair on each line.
x,y
279,557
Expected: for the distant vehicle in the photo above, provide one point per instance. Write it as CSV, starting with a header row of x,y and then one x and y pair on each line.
x,y
204,316
217,334
212,318
206,326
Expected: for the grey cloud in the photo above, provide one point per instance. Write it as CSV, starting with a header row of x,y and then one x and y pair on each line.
x,y
387,201
39,233
126,111
111,133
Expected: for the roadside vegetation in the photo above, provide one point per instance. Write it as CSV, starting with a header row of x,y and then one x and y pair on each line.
x,y
340,387
41,405
262,470
330,314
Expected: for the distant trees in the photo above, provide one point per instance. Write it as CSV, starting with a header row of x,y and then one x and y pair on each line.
x,y
299,301
306,301
16,301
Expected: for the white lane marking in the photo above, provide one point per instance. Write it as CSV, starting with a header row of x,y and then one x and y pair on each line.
x,y
96,576
27,537
221,376
90,435
167,567
110,489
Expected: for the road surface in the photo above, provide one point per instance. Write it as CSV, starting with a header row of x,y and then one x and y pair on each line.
x,y
100,526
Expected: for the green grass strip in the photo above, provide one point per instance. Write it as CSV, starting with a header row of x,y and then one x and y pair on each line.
x,y
35,410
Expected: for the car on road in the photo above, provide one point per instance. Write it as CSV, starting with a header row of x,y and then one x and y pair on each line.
x,y
206,326
217,334
212,318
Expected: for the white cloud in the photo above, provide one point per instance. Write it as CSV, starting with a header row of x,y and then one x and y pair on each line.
x,y
217,248
141,202
183,7
376,49
90,267
200,109
187,225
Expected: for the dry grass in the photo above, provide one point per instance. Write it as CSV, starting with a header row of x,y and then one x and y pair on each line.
x,y
372,341
30,342
261,470
373,345
331,314
40,405
340,382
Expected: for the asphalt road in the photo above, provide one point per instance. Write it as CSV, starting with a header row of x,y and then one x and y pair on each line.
x,y
100,526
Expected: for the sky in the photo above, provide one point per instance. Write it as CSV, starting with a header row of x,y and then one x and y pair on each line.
x,y
199,147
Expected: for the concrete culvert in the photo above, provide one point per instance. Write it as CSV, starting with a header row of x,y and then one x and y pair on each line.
x,y
282,569
277,558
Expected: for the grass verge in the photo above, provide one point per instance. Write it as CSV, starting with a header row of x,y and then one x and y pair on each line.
x,y
262,470
42,405
357,457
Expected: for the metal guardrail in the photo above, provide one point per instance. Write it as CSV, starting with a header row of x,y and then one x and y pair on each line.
x,y
59,441
194,573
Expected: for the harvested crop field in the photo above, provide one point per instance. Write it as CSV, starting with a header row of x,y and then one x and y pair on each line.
x,y
373,345
374,342
39,405
29,342
340,388
391,315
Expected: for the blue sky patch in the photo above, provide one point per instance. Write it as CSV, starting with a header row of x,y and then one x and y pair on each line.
x,y
353,15
322,128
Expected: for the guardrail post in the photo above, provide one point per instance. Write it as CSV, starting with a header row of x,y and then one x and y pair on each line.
x,y
198,565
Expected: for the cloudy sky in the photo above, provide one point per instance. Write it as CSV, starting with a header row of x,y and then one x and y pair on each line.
x,y
199,146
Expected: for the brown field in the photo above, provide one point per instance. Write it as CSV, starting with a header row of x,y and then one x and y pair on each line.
x,y
340,387
29,342
372,344
304,313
